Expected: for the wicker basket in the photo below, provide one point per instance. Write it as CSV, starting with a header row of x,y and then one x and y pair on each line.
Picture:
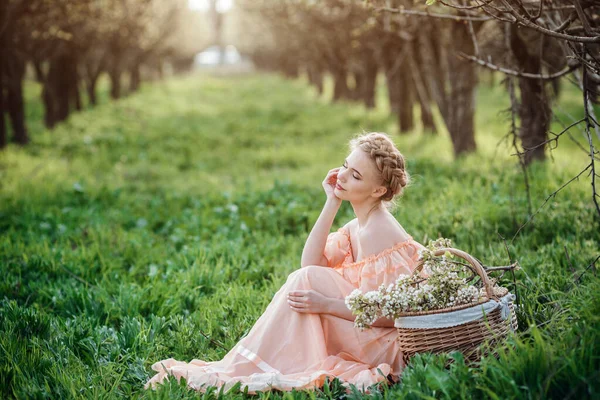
x,y
466,337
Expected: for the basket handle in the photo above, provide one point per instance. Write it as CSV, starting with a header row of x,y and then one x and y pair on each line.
x,y
474,263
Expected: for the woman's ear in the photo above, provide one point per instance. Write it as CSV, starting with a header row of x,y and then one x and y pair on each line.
x,y
380,191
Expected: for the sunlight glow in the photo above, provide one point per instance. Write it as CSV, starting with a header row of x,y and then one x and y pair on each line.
x,y
204,5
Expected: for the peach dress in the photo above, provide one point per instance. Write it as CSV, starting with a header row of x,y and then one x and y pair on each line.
x,y
286,349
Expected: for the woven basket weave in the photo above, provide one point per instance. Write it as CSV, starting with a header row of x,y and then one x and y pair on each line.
x,y
466,337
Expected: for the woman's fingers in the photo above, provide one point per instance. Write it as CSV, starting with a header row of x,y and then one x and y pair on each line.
x,y
297,304
331,175
332,171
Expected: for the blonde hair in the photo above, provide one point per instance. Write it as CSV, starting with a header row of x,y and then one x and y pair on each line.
x,y
388,160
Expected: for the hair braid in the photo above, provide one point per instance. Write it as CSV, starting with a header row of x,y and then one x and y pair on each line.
x,y
388,159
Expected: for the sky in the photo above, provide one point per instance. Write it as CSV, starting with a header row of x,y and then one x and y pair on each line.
x,y
203,5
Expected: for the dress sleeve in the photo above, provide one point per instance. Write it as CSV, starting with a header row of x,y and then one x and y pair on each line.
x,y
338,248
387,266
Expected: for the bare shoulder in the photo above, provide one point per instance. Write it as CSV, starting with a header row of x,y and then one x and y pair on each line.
x,y
352,228
381,235
352,225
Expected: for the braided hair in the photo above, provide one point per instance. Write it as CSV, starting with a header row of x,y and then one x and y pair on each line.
x,y
388,160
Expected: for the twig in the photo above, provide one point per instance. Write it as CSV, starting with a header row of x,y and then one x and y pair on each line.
x,y
527,23
567,22
514,266
429,14
463,7
473,37
586,107
569,260
548,198
555,138
512,271
591,266
213,341
494,67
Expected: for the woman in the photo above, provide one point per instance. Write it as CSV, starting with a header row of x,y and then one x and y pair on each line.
x,y
307,333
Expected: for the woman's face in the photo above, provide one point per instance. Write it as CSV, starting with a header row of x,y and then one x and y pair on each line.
x,y
358,177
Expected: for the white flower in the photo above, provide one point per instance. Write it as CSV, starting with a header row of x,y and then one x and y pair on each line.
x,y
442,288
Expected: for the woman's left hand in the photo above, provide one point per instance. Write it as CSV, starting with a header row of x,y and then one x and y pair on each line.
x,y
308,301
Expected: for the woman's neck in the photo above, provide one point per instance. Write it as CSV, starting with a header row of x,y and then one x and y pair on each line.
x,y
365,211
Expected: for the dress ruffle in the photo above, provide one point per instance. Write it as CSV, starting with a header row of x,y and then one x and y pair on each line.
x,y
382,268
338,248
200,374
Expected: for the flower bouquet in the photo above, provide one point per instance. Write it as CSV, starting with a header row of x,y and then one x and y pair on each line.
x,y
441,306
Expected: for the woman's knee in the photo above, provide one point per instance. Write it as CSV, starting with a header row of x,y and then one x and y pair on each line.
x,y
315,274
309,272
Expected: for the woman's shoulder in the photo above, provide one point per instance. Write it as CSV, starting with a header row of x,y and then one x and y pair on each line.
x,y
380,236
352,225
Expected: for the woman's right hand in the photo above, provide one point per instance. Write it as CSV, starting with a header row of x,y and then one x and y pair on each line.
x,y
329,184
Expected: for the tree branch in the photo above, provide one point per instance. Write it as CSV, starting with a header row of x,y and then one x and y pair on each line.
x,y
494,67
527,23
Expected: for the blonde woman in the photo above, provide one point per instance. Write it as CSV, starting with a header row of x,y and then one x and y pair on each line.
x,y
306,332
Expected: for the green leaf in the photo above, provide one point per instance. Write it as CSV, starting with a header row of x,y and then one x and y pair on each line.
x,y
430,2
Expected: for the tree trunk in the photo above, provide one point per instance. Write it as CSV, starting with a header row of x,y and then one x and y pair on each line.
x,y
57,90
398,83
47,98
3,133
463,82
534,110
393,91
74,80
160,68
535,118
2,119
14,100
405,112
43,78
369,82
115,82
417,71
77,96
340,89
16,109
430,57
91,90
289,67
315,77
62,81
134,82
424,103
92,69
355,92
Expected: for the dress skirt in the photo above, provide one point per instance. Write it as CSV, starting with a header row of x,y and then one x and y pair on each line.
x,y
287,349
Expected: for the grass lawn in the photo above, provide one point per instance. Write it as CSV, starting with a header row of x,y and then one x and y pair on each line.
x,y
163,223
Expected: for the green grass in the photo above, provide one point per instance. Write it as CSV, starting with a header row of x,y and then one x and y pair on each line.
x,y
133,230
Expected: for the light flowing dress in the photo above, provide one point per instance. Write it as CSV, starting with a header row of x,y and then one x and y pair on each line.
x,y
286,349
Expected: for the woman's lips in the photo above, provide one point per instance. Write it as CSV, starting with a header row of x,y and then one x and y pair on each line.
x,y
337,185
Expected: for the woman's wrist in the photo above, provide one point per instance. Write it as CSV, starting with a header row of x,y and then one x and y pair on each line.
x,y
337,307
333,202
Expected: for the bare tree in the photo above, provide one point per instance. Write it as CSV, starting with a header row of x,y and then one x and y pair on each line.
x,y
532,27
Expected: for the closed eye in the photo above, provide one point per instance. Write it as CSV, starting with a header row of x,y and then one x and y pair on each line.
x,y
354,176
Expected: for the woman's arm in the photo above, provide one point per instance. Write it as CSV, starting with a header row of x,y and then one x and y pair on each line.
x,y
383,322
312,254
338,308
